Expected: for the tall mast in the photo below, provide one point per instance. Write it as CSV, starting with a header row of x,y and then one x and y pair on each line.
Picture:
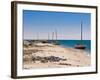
x,y
81,32
56,34
52,36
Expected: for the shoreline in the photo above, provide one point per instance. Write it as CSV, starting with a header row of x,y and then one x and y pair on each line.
x,y
45,55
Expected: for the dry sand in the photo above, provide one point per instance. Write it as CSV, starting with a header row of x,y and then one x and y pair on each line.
x,y
48,55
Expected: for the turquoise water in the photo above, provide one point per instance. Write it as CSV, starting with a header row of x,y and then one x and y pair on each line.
x,y
72,43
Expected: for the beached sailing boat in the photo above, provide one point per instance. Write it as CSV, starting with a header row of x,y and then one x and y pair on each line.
x,y
54,40
80,45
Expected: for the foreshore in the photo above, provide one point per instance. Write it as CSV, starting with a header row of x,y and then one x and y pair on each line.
x,y
46,55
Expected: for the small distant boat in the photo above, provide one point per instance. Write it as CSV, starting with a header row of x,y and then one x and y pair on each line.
x,y
80,45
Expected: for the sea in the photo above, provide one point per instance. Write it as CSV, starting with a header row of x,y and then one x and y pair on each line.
x,y
72,43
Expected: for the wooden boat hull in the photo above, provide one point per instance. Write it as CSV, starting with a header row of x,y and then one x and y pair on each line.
x,y
80,47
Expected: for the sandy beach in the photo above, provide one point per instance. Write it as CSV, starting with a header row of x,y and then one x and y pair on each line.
x,y
46,55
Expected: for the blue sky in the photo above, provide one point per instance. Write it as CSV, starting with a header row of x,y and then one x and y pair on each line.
x,y
38,24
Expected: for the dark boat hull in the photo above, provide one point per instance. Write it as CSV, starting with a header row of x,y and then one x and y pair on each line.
x,y
80,47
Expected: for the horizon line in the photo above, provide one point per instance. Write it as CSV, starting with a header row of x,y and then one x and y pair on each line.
x,y
55,39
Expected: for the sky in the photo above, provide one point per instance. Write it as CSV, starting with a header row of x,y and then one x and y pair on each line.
x,y
41,24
